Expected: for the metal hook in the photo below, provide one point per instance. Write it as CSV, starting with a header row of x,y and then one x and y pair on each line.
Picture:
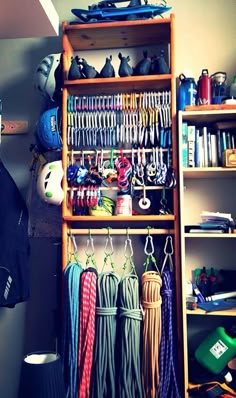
x,y
89,245
108,242
149,241
169,241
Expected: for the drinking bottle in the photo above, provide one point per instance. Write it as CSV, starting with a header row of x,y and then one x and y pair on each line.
x,y
187,92
204,88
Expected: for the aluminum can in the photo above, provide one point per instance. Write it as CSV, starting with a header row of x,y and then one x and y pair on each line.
x,y
124,205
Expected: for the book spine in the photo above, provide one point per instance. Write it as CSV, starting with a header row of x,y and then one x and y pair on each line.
x,y
197,148
219,147
205,146
209,149
214,156
221,296
191,146
185,144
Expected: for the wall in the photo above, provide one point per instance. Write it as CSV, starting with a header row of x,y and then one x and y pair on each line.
x,y
204,34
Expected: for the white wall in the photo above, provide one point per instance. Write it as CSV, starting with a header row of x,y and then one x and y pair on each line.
x,y
205,38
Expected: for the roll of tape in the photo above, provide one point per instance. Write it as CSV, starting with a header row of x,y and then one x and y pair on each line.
x,y
144,203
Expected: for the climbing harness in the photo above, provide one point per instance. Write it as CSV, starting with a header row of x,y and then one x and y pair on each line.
x,y
104,372
151,301
71,280
130,317
168,380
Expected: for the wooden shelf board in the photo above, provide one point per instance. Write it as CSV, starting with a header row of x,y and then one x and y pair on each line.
x,y
121,34
198,311
118,84
211,116
119,218
14,127
197,235
212,107
209,172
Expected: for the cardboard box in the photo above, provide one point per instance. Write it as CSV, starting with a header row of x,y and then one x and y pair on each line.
x,y
229,158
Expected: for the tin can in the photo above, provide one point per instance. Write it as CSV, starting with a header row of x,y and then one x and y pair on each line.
x,y
124,205
204,88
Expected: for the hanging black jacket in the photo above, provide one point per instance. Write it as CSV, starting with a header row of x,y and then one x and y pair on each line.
x,y
14,243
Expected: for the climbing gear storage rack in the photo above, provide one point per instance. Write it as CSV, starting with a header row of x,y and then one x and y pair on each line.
x,y
121,130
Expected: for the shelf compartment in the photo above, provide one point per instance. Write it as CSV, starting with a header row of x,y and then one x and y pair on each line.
x,y
121,34
118,84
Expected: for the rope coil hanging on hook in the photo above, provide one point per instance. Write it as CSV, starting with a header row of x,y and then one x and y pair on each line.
x,y
130,317
104,369
151,301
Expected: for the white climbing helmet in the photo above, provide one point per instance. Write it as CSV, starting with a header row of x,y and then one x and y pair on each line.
x,y
45,79
49,183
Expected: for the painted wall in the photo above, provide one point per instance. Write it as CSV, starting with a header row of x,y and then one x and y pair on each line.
x,y
204,36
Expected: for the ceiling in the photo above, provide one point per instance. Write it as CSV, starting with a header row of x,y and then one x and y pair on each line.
x,y
28,18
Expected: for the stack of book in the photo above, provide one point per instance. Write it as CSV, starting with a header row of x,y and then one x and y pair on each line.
x,y
212,222
203,146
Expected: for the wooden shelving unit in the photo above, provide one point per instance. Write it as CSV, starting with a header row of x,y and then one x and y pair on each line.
x,y
121,35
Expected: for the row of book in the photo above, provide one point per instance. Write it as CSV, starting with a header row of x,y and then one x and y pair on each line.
x,y
203,146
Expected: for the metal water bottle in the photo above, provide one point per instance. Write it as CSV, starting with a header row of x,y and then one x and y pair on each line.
x,y
187,92
204,88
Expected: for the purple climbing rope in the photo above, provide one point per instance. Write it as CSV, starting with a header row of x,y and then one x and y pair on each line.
x,y
167,362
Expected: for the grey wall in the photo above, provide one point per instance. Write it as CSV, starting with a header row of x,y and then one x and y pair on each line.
x,y
205,38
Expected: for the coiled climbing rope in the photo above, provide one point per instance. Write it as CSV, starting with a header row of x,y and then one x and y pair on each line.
x,y
86,330
168,380
130,316
104,371
71,279
151,300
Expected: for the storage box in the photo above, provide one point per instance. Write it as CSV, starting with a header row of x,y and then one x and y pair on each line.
x,y
229,158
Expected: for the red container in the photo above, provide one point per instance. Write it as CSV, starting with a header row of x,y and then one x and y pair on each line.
x,y
204,88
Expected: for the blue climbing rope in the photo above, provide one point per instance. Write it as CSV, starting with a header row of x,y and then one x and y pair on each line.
x,y
72,274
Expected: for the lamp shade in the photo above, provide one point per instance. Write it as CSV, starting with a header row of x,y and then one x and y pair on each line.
x,y
42,376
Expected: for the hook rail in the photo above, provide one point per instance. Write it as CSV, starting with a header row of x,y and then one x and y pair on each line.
x,y
123,231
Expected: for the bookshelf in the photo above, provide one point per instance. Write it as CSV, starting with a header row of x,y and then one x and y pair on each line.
x,y
204,189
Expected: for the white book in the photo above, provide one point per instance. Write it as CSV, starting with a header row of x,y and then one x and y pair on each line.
x,y
214,157
205,146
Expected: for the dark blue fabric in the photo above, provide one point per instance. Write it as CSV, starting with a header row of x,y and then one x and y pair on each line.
x,y
14,242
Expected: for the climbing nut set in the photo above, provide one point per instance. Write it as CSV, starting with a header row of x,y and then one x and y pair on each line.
x,y
119,159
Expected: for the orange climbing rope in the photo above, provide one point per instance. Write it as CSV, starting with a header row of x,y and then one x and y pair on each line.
x,y
151,302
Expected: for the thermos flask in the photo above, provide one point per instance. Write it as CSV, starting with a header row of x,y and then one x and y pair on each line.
x,y
204,88
187,92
